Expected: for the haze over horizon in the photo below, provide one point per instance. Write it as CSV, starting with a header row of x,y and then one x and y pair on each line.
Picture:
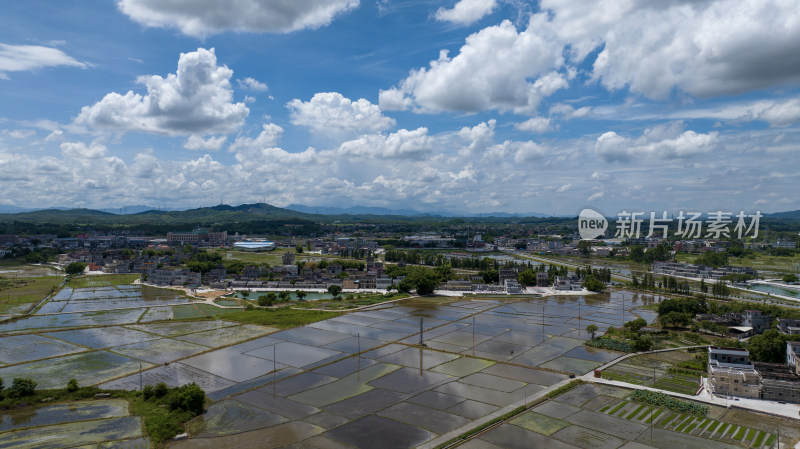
x,y
474,105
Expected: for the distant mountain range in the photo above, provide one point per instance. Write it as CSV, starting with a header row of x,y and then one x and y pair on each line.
x,y
263,210
366,210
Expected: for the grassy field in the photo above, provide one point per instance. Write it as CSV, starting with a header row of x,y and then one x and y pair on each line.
x,y
104,280
284,317
674,371
350,301
16,295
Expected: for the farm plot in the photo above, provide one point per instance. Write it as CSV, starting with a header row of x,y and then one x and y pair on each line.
x,y
712,429
568,421
112,297
25,348
88,368
660,370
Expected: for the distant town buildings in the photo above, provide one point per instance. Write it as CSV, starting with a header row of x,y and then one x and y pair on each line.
x,y
698,271
198,237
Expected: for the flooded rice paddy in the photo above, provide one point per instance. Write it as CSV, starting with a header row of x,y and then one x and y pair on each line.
x,y
355,379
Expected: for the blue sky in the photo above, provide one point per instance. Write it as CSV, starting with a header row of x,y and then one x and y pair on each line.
x,y
461,106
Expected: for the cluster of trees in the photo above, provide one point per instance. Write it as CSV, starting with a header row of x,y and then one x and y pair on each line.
x,y
272,298
712,259
601,274
75,268
672,284
591,283
20,387
662,252
668,283
423,280
790,278
626,339
150,252
427,258
675,312
720,289
204,261
41,255
770,346
166,409
189,398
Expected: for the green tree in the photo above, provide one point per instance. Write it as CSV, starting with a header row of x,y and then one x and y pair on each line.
x,y
72,385
594,284
637,253
284,296
298,249
675,319
300,294
642,343
585,247
636,324
424,280
190,398
527,277
591,329
75,268
266,300
22,387
160,390
790,278
490,276
334,290
768,347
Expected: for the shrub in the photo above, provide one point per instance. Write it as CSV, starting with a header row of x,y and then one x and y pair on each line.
x,y
147,392
22,387
160,390
609,343
72,385
188,398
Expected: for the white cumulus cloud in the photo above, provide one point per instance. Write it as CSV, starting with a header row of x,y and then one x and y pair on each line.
x,y
493,70
195,142
466,12
252,84
659,142
331,114
80,150
197,99
704,48
536,125
402,144
212,17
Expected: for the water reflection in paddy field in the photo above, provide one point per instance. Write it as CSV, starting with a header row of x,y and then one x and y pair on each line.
x,y
321,389
111,297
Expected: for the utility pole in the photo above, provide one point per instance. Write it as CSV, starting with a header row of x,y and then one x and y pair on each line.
x,y
420,332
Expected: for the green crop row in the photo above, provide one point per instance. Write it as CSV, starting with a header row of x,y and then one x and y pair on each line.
x,y
662,400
